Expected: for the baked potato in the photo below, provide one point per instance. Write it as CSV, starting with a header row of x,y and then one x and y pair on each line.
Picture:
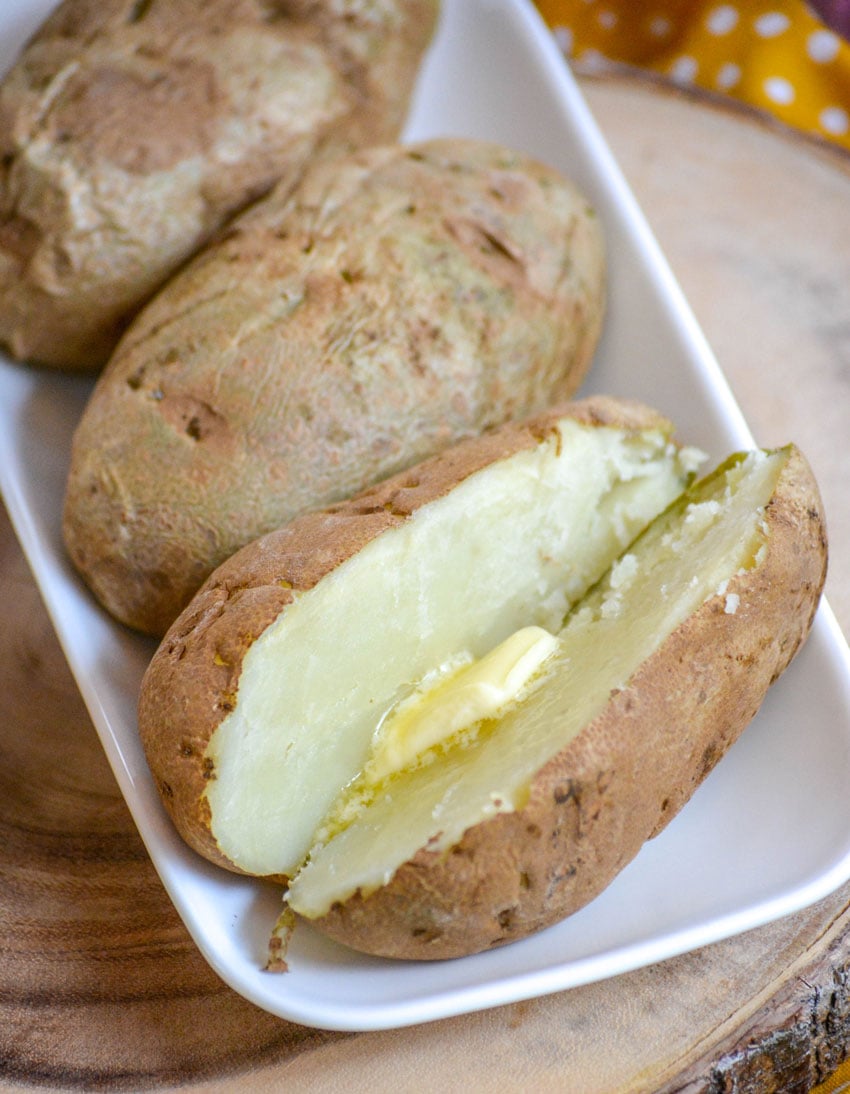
x,y
451,710
517,524
398,299
130,131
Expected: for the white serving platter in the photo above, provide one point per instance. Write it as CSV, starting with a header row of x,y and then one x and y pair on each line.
x,y
767,833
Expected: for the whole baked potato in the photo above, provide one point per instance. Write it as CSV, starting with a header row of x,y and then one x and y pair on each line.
x,y
398,299
130,130
451,710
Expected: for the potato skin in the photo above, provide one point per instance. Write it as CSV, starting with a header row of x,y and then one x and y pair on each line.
x,y
131,130
592,806
191,682
398,300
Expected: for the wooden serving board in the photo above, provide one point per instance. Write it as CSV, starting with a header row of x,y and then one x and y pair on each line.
x,y
100,985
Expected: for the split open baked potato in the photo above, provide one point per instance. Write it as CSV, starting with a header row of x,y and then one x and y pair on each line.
x,y
447,712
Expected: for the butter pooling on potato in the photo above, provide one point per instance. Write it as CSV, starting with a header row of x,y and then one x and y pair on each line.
x,y
398,299
449,712
131,130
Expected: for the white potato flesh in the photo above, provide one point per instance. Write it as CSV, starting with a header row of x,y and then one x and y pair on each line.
x,y
513,545
685,557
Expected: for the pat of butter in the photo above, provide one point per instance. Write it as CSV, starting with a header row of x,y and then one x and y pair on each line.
x,y
471,694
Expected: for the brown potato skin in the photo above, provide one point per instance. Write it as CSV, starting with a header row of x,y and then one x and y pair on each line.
x,y
192,680
624,777
396,301
130,131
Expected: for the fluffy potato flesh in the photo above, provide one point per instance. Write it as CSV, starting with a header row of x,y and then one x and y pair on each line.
x,y
511,547
715,531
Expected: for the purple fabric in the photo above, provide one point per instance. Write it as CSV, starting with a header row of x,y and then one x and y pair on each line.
x,y
835,13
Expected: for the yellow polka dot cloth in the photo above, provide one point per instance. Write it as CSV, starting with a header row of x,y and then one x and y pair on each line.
x,y
775,55
838,1083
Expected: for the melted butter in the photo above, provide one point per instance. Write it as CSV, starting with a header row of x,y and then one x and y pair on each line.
x,y
471,694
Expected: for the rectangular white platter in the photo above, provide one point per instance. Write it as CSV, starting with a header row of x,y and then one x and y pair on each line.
x,y
768,832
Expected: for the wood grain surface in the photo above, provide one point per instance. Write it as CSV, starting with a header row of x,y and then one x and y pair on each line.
x,y
100,985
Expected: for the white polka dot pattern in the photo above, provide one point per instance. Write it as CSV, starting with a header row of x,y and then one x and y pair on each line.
x,y
722,20
771,23
835,120
777,55
779,89
822,46
728,75
684,69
